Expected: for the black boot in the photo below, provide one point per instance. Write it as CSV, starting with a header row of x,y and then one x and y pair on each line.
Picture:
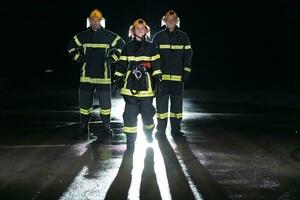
x,y
83,131
160,133
148,134
107,130
130,140
161,128
176,133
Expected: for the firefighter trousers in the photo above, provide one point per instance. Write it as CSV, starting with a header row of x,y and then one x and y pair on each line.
x,y
175,114
86,97
135,106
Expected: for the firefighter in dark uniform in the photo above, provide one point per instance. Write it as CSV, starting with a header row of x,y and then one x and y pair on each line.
x,y
139,70
175,50
95,48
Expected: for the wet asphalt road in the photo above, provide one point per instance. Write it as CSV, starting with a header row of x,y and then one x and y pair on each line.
x,y
236,146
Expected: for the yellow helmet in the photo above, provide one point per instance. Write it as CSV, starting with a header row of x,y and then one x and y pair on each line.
x,y
140,21
96,14
170,13
137,22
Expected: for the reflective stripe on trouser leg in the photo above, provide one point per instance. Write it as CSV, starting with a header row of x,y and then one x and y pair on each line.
x,y
162,112
104,97
147,111
176,111
86,95
130,117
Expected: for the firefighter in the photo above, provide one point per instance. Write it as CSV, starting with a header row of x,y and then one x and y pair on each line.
x,y
137,70
96,49
175,50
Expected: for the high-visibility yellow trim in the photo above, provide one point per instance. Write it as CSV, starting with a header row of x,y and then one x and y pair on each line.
x,y
150,126
126,78
149,82
177,46
118,74
83,69
140,58
95,80
128,129
119,50
187,69
105,70
143,93
187,47
105,111
168,46
164,46
158,71
161,115
77,41
176,115
168,77
115,57
76,56
115,41
86,111
89,45
71,50
157,56
123,58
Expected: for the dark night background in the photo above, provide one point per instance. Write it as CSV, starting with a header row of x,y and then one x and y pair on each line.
x,y
241,109
237,44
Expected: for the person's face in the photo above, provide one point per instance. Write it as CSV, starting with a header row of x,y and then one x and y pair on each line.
x,y
139,30
171,22
95,23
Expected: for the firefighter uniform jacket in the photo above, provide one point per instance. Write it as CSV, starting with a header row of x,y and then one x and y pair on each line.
x,y
141,56
96,50
176,54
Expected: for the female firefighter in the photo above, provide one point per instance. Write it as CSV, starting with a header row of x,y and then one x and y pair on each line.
x,y
137,71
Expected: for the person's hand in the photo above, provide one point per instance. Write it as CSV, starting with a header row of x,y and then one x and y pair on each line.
x,y
116,83
157,82
109,61
81,58
186,76
117,80
157,79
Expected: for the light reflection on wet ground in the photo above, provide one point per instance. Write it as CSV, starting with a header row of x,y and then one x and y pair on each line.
x,y
233,152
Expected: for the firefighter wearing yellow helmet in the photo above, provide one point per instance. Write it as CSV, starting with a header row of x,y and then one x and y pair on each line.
x,y
176,53
137,70
96,14
96,49
137,23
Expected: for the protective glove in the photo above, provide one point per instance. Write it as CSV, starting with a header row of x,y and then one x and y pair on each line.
x,y
81,59
185,76
157,82
117,80
109,61
157,79
116,83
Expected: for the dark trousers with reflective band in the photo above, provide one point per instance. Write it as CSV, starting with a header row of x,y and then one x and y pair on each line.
x,y
86,97
135,106
172,90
